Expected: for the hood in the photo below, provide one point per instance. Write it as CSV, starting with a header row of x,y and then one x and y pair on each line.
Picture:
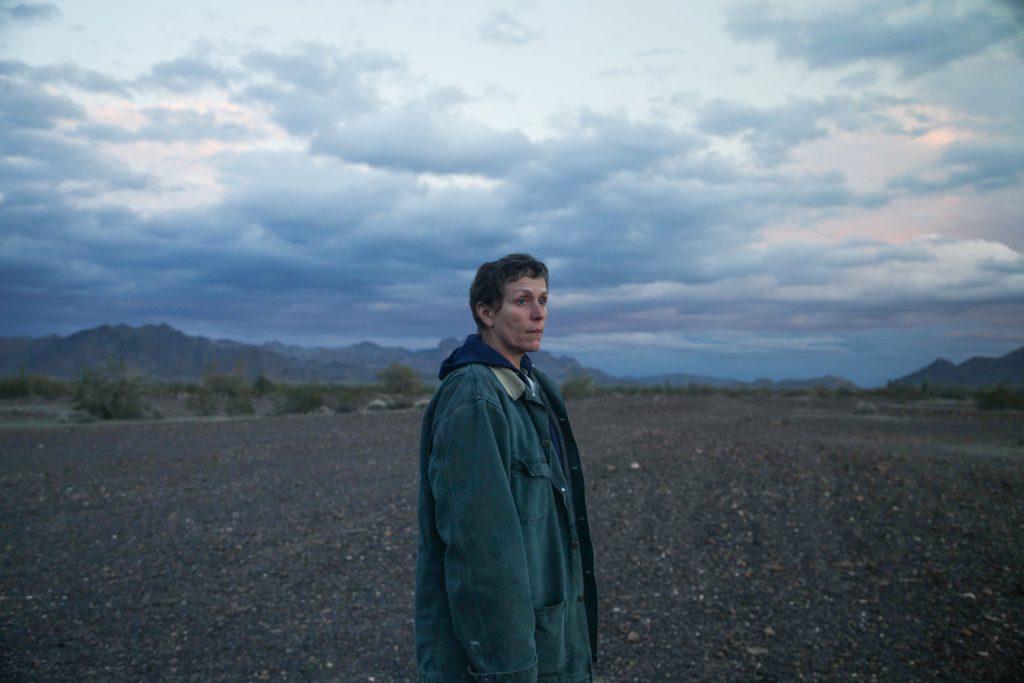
x,y
476,350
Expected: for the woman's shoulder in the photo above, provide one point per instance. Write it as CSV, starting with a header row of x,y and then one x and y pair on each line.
x,y
468,383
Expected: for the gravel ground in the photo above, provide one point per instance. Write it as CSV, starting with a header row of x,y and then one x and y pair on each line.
x,y
736,539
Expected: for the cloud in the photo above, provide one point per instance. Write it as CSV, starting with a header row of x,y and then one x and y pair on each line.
x,y
314,87
930,271
36,158
424,142
37,165
65,73
916,36
859,79
169,125
658,243
29,12
661,52
318,67
985,91
501,27
186,74
26,105
362,210
980,166
809,288
592,149
770,133
300,244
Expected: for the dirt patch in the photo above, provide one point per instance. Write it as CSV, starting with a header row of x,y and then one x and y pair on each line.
x,y
736,539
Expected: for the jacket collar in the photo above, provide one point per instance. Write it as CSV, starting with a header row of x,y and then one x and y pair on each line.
x,y
475,350
514,385
517,383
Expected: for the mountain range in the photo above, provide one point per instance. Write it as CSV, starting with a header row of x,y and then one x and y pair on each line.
x,y
165,353
974,373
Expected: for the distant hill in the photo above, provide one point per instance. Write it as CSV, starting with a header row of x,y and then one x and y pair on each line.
x,y
362,361
682,380
974,373
165,353
158,351
825,382
679,379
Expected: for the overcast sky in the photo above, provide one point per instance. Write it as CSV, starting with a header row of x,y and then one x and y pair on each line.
x,y
739,189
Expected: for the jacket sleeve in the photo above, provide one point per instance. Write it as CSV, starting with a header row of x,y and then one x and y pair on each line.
x,y
486,576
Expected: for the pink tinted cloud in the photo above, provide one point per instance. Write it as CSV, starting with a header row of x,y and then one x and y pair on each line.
x,y
187,174
914,141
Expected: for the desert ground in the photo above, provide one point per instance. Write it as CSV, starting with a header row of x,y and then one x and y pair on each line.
x,y
737,538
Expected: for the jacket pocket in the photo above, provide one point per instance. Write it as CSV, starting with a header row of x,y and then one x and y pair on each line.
x,y
549,637
531,489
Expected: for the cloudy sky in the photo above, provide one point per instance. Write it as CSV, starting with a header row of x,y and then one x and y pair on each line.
x,y
740,189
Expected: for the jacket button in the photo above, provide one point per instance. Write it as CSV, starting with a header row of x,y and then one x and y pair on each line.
x,y
579,599
546,443
575,545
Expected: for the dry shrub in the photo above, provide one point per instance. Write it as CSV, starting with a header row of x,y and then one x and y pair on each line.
x,y
400,379
111,392
300,398
579,385
23,386
999,398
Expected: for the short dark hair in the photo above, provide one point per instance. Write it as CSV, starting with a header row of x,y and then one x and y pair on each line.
x,y
492,277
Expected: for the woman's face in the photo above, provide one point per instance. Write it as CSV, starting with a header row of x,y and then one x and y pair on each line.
x,y
517,327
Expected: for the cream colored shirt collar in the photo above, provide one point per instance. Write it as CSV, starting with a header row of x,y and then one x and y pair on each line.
x,y
513,383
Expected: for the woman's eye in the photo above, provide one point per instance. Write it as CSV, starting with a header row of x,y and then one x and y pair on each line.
x,y
522,301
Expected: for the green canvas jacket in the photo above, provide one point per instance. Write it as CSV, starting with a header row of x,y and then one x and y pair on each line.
x,y
505,586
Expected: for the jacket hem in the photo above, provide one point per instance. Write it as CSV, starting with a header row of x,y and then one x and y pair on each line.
x,y
566,678
527,675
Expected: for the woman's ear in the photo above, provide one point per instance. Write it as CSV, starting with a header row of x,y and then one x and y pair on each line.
x,y
484,312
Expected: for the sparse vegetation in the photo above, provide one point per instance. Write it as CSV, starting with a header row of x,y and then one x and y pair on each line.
x,y
574,385
400,380
23,386
15,387
923,391
299,398
579,385
111,392
201,403
173,388
232,389
227,392
999,398
230,384
348,398
262,385
239,405
311,397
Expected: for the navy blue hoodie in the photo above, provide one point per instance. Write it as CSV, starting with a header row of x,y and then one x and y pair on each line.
x,y
476,350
